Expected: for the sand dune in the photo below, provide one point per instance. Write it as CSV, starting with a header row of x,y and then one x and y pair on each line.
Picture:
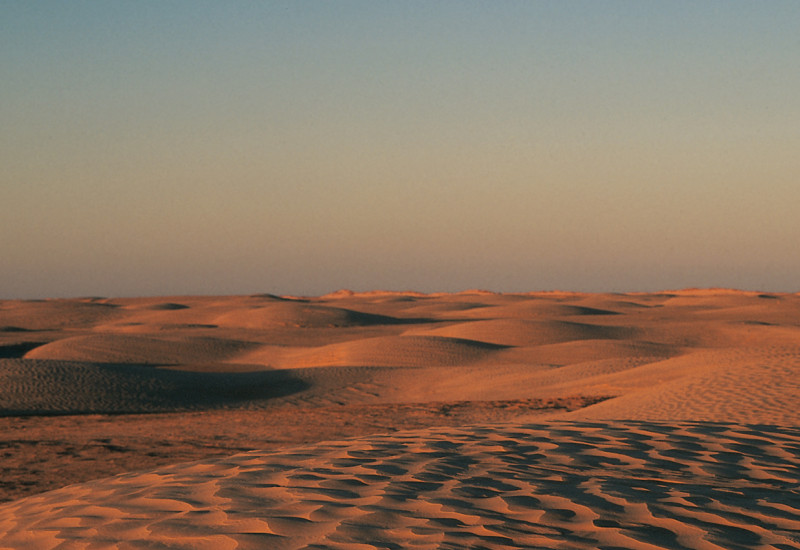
x,y
66,387
54,314
395,351
760,386
401,419
534,308
300,315
117,348
580,351
525,332
559,485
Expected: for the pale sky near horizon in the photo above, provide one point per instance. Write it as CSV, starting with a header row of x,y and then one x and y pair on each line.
x,y
188,147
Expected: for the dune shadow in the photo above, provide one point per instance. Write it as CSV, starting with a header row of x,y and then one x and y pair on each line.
x,y
12,328
167,306
12,351
44,387
233,388
361,318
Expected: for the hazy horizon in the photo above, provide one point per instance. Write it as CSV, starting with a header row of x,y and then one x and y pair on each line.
x,y
303,147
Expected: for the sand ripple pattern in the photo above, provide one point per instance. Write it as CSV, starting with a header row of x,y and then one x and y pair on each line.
x,y
606,485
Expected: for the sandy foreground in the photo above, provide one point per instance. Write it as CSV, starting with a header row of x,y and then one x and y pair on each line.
x,y
402,420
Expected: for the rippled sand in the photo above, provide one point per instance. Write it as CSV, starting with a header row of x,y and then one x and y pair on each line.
x,y
398,420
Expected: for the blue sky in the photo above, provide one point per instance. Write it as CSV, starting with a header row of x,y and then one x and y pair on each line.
x,y
301,147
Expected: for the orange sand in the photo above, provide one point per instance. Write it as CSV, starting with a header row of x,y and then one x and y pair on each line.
x,y
397,420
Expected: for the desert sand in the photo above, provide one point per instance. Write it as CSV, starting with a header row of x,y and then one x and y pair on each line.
x,y
402,420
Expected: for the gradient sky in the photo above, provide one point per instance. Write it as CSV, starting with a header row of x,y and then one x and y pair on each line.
x,y
188,147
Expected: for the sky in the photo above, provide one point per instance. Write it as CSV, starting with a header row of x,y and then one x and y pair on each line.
x,y
300,147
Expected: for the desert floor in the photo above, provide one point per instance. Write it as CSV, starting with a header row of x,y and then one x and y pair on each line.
x,y
402,420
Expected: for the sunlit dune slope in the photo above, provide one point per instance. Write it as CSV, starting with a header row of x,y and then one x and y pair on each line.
x,y
757,386
55,314
526,332
396,351
561,485
119,348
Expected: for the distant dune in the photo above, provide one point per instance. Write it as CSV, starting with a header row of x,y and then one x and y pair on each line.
x,y
402,419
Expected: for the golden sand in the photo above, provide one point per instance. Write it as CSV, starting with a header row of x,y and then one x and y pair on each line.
x,y
402,420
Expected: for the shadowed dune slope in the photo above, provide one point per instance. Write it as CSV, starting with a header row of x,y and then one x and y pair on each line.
x,y
60,387
534,308
560,485
167,306
299,315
